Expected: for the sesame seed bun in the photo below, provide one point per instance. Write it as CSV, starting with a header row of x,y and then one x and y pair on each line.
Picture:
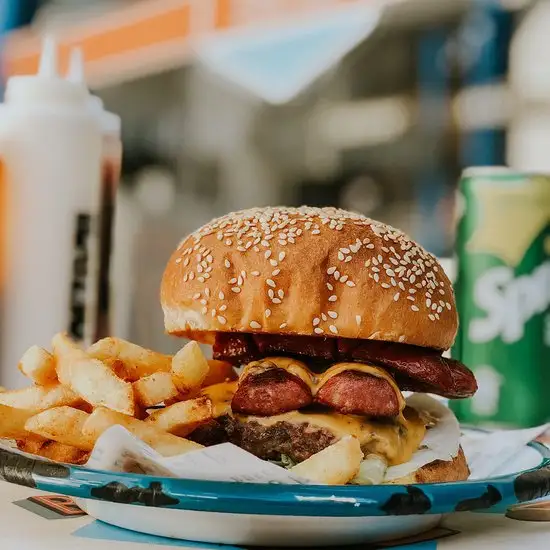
x,y
307,271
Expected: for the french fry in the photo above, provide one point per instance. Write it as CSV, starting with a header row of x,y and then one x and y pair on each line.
x,y
91,379
335,465
31,444
219,371
189,368
138,362
12,422
166,444
61,424
183,417
38,365
39,398
59,452
154,389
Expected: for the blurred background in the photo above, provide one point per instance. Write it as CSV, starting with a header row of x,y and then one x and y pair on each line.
x,y
371,105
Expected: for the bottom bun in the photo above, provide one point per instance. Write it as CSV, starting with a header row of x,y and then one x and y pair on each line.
x,y
439,471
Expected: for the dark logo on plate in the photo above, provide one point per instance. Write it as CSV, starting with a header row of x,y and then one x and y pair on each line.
x,y
414,501
532,485
118,492
489,498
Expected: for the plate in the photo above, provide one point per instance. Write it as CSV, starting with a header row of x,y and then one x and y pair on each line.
x,y
282,515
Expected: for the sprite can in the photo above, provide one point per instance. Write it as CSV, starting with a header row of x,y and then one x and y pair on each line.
x,y
503,295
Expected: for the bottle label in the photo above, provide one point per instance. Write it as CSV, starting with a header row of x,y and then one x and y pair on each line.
x,y
77,302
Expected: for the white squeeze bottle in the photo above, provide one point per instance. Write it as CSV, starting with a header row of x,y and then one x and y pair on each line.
x,y
100,301
50,146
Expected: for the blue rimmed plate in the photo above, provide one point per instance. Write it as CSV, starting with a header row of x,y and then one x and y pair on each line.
x,y
268,514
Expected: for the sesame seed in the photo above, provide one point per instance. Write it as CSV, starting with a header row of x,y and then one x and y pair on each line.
x,y
318,330
273,262
411,298
213,313
223,307
191,276
207,292
396,297
333,329
235,289
415,308
178,260
401,286
222,320
340,256
271,283
431,317
201,279
233,281
343,278
448,306
329,286
255,324
267,254
315,232
358,319
316,321
332,314
221,295
204,310
376,277
336,275
255,273
428,302
370,246
323,317
331,270
367,263
227,263
282,325
239,280
276,301
350,284
282,256
332,298
275,272
270,293
390,272
385,285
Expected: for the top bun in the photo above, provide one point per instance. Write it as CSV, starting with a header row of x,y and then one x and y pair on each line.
x,y
307,271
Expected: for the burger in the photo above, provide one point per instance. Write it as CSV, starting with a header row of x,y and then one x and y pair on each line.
x,y
328,317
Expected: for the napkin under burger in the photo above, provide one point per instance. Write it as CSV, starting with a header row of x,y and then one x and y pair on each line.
x,y
331,315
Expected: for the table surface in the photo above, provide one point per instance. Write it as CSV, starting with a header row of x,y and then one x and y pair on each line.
x,y
31,526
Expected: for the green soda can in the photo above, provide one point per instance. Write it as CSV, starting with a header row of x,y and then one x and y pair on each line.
x,y
503,296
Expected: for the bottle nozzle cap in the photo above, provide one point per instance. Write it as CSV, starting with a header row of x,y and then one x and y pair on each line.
x,y
75,72
48,57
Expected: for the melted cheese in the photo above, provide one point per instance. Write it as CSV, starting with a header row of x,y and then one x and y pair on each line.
x,y
396,440
221,395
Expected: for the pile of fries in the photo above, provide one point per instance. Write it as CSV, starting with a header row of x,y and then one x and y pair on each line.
x,y
77,394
